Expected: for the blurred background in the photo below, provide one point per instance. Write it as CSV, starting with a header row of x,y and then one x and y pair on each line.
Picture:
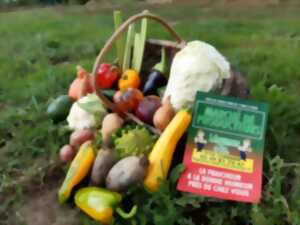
x,y
42,41
10,3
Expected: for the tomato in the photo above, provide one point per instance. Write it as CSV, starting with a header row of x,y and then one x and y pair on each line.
x,y
129,99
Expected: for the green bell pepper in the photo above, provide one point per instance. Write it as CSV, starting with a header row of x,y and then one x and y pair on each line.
x,y
100,204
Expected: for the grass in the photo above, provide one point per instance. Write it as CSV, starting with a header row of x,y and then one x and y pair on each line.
x,y
40,49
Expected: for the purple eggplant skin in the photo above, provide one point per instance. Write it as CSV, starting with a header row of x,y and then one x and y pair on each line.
x,y
155,80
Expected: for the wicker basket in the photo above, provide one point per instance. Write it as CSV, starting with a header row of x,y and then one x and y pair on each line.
x,y
235,86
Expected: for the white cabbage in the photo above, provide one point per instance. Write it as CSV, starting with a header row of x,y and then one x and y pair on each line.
x,y
197,67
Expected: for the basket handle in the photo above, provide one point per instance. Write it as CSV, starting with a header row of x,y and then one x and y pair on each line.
x,y
109,44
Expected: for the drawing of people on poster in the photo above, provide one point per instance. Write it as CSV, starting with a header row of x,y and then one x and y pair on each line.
x,y
200,140
246,147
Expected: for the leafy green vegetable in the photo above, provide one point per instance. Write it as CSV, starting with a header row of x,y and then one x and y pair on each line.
x,y
109,93
128,47
166,206
139,46
121,41
133,140
92,104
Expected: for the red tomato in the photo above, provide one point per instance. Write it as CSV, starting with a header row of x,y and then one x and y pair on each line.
x,y
129,100
107,75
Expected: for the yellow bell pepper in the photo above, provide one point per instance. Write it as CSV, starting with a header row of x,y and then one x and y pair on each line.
x,y
129,79
79,168
161,155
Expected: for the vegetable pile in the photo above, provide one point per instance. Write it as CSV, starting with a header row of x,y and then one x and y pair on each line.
x,y
109,153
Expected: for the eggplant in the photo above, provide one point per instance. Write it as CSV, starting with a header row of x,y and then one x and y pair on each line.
x,y
156,78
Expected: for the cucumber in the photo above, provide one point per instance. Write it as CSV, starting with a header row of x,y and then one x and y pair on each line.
x,y
59,108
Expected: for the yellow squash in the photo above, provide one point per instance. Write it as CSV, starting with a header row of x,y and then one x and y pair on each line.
x,y
161,155
79,168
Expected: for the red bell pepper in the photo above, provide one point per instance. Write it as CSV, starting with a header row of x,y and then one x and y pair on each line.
x,y
107,75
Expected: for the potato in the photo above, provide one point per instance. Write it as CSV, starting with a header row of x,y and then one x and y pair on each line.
x,y
111,123
67,153
78,137
104,161
127,172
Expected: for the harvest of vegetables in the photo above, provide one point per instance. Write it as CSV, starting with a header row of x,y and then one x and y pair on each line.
x,y
127,118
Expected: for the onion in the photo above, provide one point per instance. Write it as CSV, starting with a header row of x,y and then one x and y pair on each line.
x,y
78,137
67,153
163,115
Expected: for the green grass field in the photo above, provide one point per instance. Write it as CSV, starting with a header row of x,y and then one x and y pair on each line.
x,y
40,48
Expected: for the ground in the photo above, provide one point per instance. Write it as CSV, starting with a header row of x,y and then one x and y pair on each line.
x,y
40,49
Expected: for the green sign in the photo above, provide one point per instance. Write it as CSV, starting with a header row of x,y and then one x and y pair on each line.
x,y
229,120
224,152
